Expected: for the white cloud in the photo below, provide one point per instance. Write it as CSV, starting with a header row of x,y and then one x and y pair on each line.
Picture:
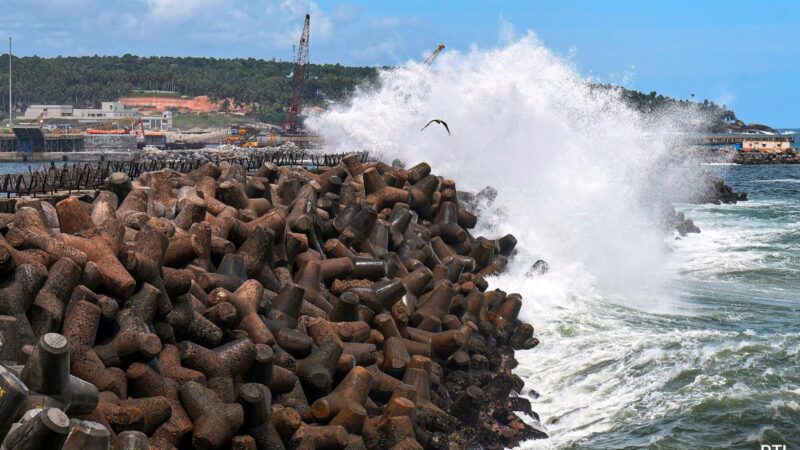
x,y
344,11
387,47
180,10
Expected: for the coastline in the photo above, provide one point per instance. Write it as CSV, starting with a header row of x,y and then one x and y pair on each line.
x,y
730,156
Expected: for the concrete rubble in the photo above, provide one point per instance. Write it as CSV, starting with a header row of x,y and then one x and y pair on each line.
x,y
342,308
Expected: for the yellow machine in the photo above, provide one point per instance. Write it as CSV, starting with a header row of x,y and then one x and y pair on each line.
x,y
243,136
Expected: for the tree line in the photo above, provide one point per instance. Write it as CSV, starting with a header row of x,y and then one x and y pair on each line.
x,y
263,85
85,81
705,115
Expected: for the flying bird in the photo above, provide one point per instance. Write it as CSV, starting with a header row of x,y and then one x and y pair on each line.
x,y
440,122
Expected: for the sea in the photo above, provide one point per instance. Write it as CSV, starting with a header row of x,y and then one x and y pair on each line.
x,y
718,369
648,339
22,167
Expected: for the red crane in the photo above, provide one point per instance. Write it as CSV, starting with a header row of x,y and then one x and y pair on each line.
x,y
299,78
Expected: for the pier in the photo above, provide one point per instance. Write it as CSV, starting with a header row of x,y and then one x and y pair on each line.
x,y
33,140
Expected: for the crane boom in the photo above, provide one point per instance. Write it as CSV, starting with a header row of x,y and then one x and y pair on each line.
x,y
432,57
299,78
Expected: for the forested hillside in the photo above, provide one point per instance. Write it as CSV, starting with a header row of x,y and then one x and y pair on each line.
x,y
86,81
264,85
717,118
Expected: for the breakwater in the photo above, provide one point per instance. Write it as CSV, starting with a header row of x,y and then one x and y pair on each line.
x,y
733,156
340,307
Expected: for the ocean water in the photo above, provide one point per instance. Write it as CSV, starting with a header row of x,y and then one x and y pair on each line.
x,y
21,167
648,341
717,370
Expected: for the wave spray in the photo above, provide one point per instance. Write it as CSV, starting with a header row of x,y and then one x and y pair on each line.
x,y
571,165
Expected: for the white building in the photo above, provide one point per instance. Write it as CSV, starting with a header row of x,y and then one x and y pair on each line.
x,y
159,121
48,111
107,110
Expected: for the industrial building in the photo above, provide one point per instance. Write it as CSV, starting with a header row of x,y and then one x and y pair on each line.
x,y
107,111
159,121
48,112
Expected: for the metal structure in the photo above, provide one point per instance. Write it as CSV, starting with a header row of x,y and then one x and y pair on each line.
x,y
91,176
33,140
299,79
432,57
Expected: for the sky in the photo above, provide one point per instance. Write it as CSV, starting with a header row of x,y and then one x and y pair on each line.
x,y
743,54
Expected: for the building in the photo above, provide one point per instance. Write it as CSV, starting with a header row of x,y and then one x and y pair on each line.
x,y
766,143
107,111
747,142
162,121
48,111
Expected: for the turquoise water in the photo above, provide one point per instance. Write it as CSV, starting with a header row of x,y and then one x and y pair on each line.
x,y
714,367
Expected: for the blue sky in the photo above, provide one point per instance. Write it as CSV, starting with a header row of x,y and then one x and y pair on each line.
x,y
740,53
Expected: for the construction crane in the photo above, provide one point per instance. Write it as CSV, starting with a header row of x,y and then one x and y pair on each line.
x,y
139,122
432,57
298,80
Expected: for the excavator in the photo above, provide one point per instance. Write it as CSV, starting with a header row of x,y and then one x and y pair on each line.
x,y
243,136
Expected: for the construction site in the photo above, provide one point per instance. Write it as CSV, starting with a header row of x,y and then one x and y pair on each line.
x,y
119,128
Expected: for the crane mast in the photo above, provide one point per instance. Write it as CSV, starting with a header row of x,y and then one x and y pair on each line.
x,y
299,78
432,57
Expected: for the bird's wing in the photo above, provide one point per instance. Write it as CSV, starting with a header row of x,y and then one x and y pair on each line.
x,y
426,125
445,127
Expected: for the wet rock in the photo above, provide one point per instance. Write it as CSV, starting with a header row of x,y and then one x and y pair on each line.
x,y
263,307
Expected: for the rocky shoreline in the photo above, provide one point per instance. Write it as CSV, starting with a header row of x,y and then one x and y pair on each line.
x,y
712,190
345,307
754,158
732,156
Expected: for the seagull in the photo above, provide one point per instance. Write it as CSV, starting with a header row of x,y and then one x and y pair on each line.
x,y
440,122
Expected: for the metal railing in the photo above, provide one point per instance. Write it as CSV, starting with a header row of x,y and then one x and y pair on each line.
x,y
92,176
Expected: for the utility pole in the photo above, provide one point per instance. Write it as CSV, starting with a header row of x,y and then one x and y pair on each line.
x,y
10,108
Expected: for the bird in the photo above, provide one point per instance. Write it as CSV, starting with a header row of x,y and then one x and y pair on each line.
x,y
440,122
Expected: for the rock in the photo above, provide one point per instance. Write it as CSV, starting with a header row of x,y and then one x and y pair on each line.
x,y
540,267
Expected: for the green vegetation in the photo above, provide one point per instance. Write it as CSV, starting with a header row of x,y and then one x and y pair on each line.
x,y
86,81
263,85
717,118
